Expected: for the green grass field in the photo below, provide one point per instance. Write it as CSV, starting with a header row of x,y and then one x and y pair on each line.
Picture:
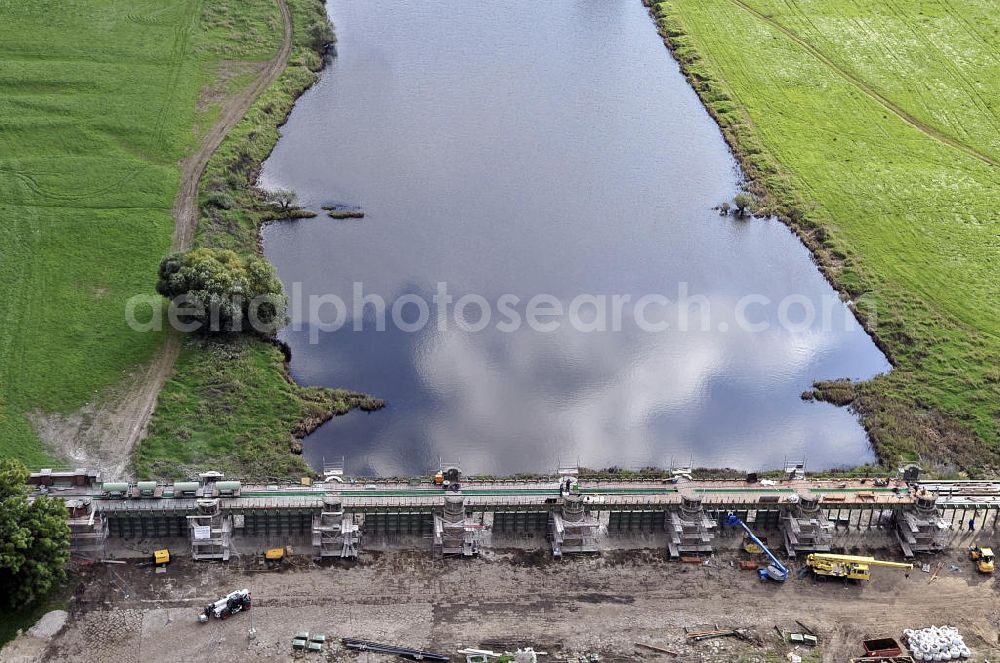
x,y
229,405
874,126
99,100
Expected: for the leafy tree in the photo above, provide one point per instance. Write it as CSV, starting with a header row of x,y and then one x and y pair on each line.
x,y
216,290
283,199
742,201
34,539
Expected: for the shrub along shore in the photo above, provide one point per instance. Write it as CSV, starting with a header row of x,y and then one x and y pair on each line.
x,y
886,168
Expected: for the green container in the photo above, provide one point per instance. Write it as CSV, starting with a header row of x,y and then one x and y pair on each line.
x,y
115,489
227,487
185,488
146,487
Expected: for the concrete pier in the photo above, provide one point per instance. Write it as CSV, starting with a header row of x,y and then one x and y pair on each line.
x,y
571,528
805,527
88,528
691,530
334,533
210,531
454,532
920,526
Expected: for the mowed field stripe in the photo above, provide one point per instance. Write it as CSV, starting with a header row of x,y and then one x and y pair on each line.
x,y
868,90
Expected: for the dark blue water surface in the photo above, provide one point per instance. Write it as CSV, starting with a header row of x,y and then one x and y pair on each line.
x,y
529,147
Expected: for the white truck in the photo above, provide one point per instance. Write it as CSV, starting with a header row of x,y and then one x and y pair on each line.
x,y
237,601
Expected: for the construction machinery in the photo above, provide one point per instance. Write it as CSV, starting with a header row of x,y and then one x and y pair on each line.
x,y
449,477
983,557
775,570
159,558
751,547
274,557
230,604
850,567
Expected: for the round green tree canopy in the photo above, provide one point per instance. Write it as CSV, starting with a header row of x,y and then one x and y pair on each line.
x,y
221,291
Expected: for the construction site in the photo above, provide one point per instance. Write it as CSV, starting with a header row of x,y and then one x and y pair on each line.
x,y
567,568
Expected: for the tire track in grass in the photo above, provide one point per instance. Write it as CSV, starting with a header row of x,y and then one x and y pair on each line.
x,y
133,413
974,94
993,51
186,214
175,63
926,129
186,204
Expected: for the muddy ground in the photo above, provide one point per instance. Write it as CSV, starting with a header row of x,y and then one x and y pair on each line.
x,y
508,598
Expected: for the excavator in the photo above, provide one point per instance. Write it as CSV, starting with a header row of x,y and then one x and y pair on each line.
x,y
850,567
983,557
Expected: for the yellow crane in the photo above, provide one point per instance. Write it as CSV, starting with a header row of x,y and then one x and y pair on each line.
x,y
852,567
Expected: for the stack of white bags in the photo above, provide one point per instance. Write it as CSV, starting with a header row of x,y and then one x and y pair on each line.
x,y
525,656
936,643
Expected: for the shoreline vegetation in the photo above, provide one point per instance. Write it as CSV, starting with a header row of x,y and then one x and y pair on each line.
x,y
940,405
231,403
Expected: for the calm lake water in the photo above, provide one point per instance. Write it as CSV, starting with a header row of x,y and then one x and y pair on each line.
x,y
527,148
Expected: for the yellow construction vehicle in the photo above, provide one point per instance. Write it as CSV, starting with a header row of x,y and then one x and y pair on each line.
x,y
750,546
851,567
983,557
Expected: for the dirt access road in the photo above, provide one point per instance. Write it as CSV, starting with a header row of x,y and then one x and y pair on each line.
x,y
506,599
103,433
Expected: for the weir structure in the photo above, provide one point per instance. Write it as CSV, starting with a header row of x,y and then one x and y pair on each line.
x,y
220,518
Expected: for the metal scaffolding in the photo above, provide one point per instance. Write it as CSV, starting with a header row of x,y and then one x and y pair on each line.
x,y
572,529
455,533
334,533
88,529
920,526
210,531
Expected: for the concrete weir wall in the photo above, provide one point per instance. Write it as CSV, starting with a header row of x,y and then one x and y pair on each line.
x,y
219,518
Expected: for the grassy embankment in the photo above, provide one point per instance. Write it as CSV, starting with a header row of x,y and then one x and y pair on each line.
x,y
873,128
99,100
230,405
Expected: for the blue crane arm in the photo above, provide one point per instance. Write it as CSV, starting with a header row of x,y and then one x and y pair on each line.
x,y
736,520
